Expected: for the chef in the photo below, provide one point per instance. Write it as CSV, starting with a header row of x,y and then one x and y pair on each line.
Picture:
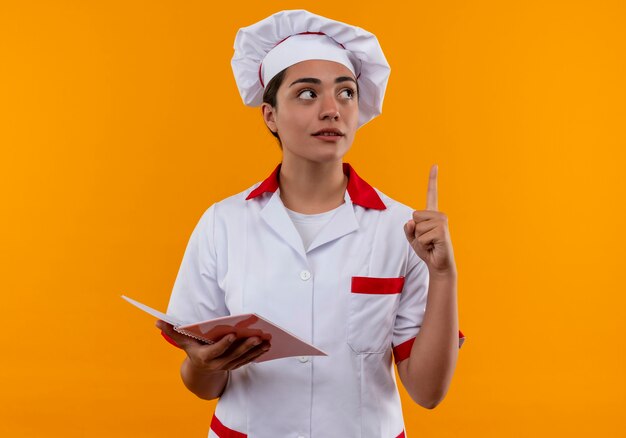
x,y
317,250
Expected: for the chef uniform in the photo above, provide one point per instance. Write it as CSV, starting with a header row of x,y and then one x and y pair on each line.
x,y
346,281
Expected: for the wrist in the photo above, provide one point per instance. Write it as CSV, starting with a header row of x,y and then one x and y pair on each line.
x,y
198,370
443,275
206,384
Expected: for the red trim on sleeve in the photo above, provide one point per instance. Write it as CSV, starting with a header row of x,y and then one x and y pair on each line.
x,y
403,351
170,340
401,435
224,432
361,193
373,285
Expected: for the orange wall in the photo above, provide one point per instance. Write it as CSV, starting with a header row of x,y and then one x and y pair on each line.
x,y
120,123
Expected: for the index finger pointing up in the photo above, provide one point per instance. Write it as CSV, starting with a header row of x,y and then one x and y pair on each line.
x,y
431,198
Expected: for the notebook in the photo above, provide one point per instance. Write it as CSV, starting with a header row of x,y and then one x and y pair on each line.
x,y
283,343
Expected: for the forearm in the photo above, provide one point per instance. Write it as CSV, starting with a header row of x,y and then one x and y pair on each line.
x,y
428,371
206,385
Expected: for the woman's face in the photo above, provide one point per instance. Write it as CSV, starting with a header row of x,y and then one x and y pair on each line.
x,y
316,111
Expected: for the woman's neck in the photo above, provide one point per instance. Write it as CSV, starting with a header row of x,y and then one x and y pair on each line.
x,y
309,187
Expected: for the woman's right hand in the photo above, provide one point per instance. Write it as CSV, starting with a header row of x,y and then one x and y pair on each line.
x,y
227,354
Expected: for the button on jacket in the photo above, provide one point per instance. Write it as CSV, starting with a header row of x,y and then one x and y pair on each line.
x,y
358,293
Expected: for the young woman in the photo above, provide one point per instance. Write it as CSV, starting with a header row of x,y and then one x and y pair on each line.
x,y
317,250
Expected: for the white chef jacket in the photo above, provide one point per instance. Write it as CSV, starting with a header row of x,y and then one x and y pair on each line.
x,y
358,293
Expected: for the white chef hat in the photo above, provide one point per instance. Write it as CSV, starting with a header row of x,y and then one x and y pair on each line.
x,y
264,49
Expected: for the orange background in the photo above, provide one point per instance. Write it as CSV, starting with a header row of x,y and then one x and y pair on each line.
x,y
120,124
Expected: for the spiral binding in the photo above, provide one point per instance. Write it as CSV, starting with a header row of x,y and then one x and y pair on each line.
x,y
191,335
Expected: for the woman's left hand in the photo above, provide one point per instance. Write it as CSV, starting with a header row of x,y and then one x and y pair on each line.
x,y
428,234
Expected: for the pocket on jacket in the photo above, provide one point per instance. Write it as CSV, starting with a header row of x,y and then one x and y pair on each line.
x,y
371,314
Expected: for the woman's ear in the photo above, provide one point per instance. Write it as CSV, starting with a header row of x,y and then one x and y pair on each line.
x,y
269,116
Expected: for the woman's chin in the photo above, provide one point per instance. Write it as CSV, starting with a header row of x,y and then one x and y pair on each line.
x,y
325,153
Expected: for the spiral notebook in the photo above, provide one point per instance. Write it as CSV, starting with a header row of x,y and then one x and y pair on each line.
x,y
283,343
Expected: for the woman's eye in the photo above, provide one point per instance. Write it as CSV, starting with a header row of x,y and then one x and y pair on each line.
x,y
306,94
347,93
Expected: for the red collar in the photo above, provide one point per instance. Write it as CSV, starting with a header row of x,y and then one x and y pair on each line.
x,y
361,193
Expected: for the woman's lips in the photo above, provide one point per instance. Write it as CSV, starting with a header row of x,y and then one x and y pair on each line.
x,y
330,134
328,137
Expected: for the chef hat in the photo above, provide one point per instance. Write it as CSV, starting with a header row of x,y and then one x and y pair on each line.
x,y
264,49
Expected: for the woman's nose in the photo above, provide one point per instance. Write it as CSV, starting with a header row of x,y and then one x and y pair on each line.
x,y
330,109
